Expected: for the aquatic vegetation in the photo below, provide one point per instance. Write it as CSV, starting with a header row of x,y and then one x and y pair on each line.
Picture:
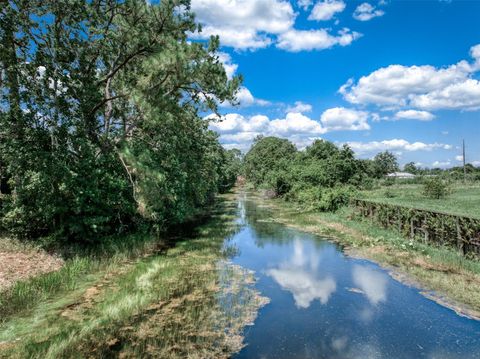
x,y
188,302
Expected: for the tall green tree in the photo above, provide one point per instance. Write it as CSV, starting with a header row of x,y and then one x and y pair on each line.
x,y
410,167
385,163
266,156
100,124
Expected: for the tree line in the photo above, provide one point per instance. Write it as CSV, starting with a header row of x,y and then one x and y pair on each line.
x,y
323,176
101,126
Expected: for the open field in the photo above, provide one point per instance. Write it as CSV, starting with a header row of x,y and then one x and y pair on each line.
x,y
464,200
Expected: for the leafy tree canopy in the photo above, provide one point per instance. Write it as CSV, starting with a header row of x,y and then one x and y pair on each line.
x,y
99,116
267,154
385,163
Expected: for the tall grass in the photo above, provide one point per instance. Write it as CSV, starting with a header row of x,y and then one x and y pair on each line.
x,y
24,295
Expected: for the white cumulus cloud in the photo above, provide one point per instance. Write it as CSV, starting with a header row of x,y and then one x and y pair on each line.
x,y
234,123
456,96
295,123
395,145
238,131
340,118
366,12
422,87
243,24
255,24
325,10
307,40
299,106
245,98
414,115
304,4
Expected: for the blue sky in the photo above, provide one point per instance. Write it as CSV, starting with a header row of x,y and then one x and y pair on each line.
x,y
380,75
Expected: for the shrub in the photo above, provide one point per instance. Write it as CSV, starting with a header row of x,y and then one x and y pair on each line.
x,y
389,193
277,181
320,198
390,181
436,188
367,184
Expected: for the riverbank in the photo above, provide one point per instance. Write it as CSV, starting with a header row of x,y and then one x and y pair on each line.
x,y
444,275
181,300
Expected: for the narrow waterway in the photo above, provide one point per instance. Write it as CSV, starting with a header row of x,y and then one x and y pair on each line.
x,y
324,304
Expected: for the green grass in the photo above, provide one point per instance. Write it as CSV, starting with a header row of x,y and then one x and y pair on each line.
x,y
186,302
24,295
464,200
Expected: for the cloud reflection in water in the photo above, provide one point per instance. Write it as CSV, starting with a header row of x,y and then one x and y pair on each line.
x,y
371,282
299,276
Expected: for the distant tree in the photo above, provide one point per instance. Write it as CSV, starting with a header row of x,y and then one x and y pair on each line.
x,y
267,154
326,165
321,150
231,168
384,163
411,168
436,188
368,167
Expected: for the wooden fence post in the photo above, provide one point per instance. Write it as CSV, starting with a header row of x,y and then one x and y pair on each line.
x,y
399,219
459,237
412,229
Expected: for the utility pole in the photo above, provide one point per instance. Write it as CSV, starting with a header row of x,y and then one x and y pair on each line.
x,y
464,168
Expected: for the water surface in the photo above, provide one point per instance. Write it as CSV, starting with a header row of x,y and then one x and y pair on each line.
x,y
327,305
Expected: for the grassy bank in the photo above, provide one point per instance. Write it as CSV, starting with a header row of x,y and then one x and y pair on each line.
x,y
146,299
464,200
455,279
82,264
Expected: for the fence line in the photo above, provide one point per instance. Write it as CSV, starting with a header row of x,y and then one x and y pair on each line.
x,y
440,228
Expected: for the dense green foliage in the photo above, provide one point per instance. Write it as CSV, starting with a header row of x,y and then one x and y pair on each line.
x,y
268,156
99,116
385,163
231,169
322,177
410,167
435,187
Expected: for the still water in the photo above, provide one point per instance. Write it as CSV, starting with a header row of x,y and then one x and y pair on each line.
x,y
327,305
